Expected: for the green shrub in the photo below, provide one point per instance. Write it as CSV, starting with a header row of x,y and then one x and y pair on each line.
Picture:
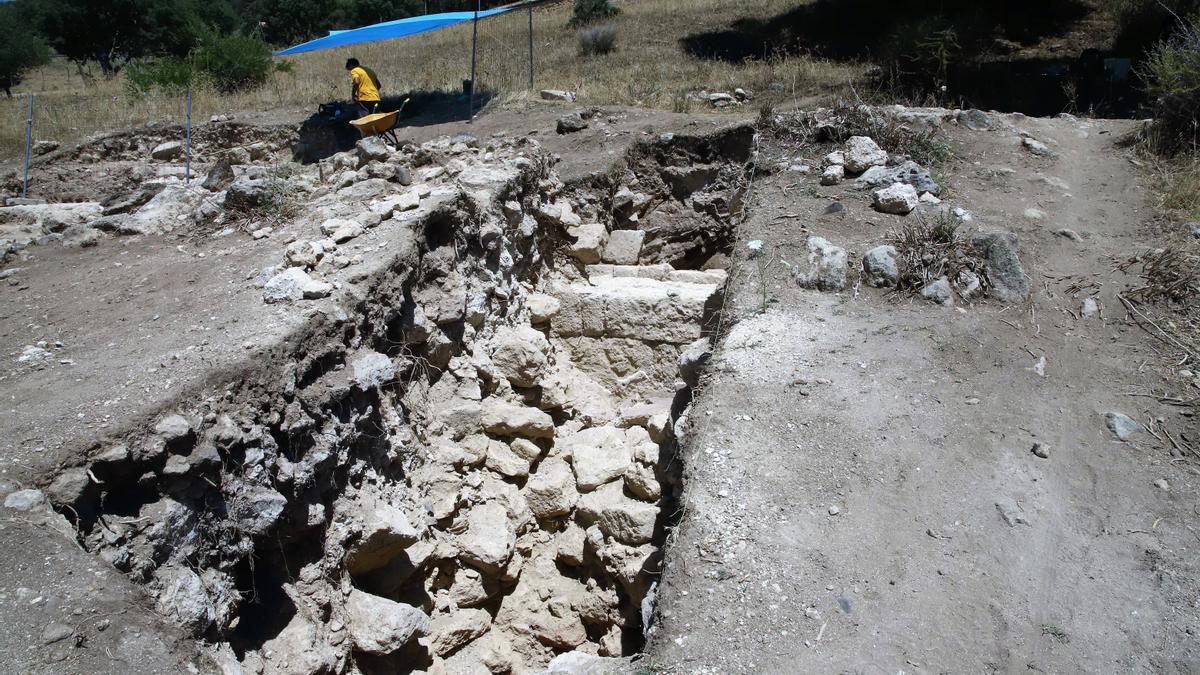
x,y
1171,75
226,63
233,62
597,40
591,11
169,75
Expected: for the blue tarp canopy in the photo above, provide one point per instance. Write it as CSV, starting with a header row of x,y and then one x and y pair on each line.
x,y
388,30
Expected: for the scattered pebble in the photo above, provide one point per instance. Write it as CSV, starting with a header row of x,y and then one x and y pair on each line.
x,y
1041,450
833,510
1122,426
1089,308
1010,512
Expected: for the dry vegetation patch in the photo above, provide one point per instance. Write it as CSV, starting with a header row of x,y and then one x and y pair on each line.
x,y
848,118
929,247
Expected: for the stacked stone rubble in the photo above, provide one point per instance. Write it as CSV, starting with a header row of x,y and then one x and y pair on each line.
x,y
470,472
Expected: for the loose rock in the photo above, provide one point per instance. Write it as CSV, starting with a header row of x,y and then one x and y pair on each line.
x,y
380,626
571,123
975,120
833,174
557,95
1009,282
167,151
899,199
372,370
909,173
862,153
825,267
1122,426
939,291
879,266
1010,512
219,177
1036,147
624,247
294,284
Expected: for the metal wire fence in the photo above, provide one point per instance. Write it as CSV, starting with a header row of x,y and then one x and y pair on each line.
x,y
69,105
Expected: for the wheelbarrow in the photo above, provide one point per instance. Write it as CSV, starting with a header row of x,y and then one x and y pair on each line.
x,y
380,124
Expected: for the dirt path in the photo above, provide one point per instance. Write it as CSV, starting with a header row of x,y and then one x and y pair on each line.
x,y
852,453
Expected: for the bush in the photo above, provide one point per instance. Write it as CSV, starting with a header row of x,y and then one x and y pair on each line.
x,y
929,247
1171,75
226,63
591,11
234,62
597,40
170,75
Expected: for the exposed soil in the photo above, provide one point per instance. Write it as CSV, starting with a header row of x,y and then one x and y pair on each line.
x,y
850,454
469,449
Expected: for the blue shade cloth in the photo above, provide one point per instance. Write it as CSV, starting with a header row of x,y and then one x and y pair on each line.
x,y
388,30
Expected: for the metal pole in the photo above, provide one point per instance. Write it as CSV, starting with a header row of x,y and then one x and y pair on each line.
x,y
474,43
531,47
187,141
187,162
28,142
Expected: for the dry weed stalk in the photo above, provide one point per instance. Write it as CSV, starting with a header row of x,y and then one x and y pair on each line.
x,y
854,118
1170,274
928,247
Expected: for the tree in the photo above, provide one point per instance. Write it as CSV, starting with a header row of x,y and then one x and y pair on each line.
x,y
285,22
288,21
20,47
355,13
113,32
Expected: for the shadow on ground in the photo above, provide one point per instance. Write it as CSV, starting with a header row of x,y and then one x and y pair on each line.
x,y
858,29
328,131
922,44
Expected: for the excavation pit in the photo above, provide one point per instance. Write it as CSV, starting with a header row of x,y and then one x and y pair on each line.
x,y
471,464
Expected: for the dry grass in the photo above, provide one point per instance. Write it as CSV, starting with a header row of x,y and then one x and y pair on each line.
x,y
849,117
648,69
928,247
1169,274
1179,189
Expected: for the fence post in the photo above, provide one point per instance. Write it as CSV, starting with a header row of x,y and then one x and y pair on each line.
x,y
187,162
28,142
530,47
474,44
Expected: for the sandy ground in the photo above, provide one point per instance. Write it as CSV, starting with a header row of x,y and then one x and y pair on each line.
x,y
849,450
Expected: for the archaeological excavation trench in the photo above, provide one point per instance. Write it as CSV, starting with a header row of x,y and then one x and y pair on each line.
x,y
473,466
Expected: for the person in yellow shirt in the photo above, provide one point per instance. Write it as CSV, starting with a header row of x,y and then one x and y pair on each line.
x,y
364,86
